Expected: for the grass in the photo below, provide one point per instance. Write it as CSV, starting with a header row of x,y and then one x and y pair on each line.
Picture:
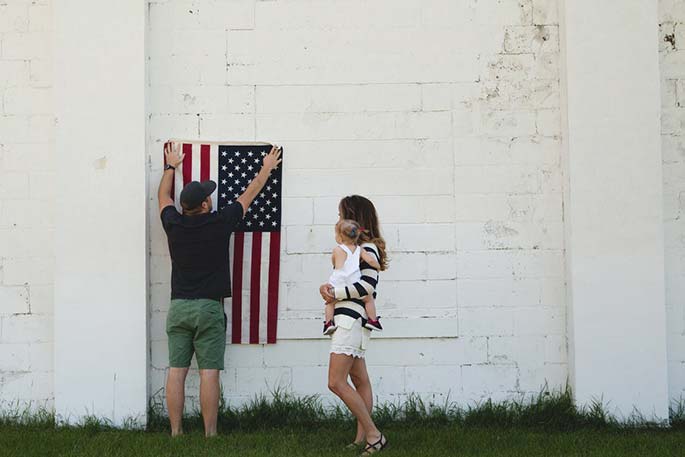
x,y
281,425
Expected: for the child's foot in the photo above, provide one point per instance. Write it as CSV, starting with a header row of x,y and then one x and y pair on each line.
x,y
374,324
329,327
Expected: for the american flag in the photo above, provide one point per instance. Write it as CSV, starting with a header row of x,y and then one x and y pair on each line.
x,y
256,244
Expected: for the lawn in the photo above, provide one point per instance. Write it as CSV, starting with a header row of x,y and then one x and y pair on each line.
x,y
405,440
281,425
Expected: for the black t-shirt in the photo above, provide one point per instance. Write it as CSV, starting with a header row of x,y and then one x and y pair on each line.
x,y
199,251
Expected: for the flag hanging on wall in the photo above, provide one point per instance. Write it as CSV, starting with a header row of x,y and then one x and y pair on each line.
x,y
255,247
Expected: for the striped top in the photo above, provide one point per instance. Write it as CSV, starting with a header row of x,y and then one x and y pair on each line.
x,y
351,305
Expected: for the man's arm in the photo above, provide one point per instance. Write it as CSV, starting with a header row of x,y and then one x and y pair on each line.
x,y
174,157
271,161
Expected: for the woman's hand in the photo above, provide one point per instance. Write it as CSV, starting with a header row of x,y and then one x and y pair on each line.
x,y
326,294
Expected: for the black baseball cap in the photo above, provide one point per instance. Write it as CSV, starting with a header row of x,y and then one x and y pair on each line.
x,y
194,193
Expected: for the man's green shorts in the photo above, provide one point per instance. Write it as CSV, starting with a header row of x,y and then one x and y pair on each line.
x,y
197,326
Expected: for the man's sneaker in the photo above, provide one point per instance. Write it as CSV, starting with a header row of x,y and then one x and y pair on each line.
x,y
374,325
329,327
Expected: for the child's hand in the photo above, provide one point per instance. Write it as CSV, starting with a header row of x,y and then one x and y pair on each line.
x,y
371,260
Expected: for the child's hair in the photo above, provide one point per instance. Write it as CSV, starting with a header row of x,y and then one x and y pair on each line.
x,y
349,230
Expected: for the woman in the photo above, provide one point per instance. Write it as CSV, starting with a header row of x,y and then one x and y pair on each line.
x,y
349,342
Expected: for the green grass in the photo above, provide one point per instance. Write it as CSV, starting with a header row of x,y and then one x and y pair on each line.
x,y
281,425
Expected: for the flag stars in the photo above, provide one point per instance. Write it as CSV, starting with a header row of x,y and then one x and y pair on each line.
x,y
243,175
261,223
243,160
249,153
223,195
223,181
230,160
224,168
224,153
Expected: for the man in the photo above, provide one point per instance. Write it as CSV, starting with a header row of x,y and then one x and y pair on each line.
x,y
198,244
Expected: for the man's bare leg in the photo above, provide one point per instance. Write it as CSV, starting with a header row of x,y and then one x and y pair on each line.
x,y
175,397
209,399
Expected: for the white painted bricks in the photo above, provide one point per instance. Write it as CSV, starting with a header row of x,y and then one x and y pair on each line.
x,y
445,113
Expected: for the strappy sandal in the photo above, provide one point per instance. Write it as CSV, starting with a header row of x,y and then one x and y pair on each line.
x,y
378,446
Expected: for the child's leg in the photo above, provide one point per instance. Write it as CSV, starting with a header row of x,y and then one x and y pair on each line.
x,y
370,306
330,311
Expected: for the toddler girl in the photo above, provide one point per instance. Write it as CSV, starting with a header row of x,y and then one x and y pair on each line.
x,y
346,272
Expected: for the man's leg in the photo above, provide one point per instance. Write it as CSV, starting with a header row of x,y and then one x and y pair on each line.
x,y
209,399
175,396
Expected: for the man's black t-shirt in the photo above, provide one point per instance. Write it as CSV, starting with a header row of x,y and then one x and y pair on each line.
x,y
199,251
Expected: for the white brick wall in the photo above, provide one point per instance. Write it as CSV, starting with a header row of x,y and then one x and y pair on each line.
x,y
444,113
365,96
672,46
26,202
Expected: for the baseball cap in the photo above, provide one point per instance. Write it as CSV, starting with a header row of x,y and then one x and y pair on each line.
x,y
194,193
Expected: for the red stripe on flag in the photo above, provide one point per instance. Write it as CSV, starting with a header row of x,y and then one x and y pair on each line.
x,y
237,294
274,269
204,162
187,163
254,286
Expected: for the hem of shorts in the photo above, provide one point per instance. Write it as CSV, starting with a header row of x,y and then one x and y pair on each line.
x,y
352,353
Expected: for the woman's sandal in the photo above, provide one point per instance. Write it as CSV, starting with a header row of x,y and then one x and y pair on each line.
x,y
378,446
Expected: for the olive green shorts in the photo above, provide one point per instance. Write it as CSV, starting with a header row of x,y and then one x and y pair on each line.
x,y
196,326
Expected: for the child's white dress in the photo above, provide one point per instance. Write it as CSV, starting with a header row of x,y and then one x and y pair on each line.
x,y
349,273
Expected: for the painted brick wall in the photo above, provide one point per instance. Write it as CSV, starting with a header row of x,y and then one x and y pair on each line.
x,y
463,94
26,202
445,114
672,45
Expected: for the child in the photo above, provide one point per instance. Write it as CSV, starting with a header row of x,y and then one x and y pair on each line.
x,y
346,272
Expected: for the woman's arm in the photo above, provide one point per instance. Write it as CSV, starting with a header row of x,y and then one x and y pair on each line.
x,y
366,285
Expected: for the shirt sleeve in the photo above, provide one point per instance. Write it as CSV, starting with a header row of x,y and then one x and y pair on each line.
x,y
232,214
366,284
168,215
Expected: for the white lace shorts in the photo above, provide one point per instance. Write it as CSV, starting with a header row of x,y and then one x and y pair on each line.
x,y
350,341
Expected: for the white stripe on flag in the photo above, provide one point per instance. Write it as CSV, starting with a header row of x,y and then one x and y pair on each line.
x,y
228,302
214,172
264,286
196,162
178,186
247,269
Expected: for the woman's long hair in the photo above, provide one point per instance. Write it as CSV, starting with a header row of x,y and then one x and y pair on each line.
x,y
361,209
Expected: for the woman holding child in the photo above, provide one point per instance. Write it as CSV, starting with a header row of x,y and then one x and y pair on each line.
x,y
358,240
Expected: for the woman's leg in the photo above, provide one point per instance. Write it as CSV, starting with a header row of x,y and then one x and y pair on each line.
x,y
338,370
362,384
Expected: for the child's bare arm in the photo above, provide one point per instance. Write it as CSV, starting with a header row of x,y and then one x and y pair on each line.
x,y
370,259
339,258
